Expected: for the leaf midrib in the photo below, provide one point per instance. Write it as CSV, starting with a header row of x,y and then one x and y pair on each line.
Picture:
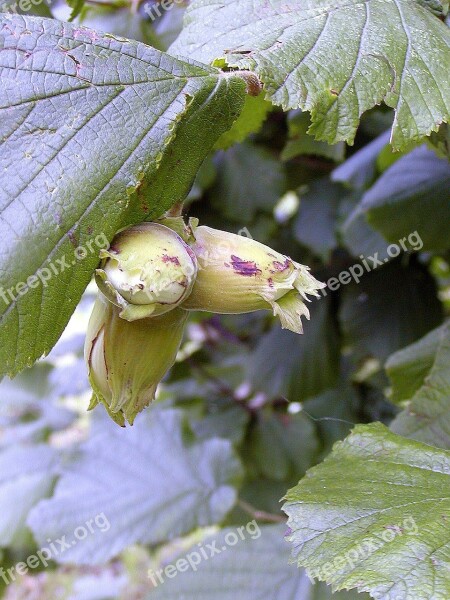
x,y
91,204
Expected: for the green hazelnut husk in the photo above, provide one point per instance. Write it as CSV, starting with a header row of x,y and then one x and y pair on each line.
x,y
127,360
147,271
237,274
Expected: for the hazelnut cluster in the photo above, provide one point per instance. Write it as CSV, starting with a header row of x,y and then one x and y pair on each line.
x,y
149,279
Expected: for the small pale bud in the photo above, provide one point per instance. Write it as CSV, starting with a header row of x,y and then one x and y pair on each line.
x,y
238,275
148,271
127,360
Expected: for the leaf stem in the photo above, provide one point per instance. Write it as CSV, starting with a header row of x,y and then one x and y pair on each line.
x,y
176,210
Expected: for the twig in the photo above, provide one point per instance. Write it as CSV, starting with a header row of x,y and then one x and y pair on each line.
x,y
260,515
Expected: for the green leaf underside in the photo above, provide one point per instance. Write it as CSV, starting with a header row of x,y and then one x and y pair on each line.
x,y
96,133
409,367
427,416
335,58
150,484
375,516
251,119
413,195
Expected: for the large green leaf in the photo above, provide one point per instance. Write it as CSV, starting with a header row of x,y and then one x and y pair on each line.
x,y
375,516
336,58
254,568
427,416
96,132
149,482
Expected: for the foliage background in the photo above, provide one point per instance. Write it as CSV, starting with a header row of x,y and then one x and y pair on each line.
x,y
248,409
